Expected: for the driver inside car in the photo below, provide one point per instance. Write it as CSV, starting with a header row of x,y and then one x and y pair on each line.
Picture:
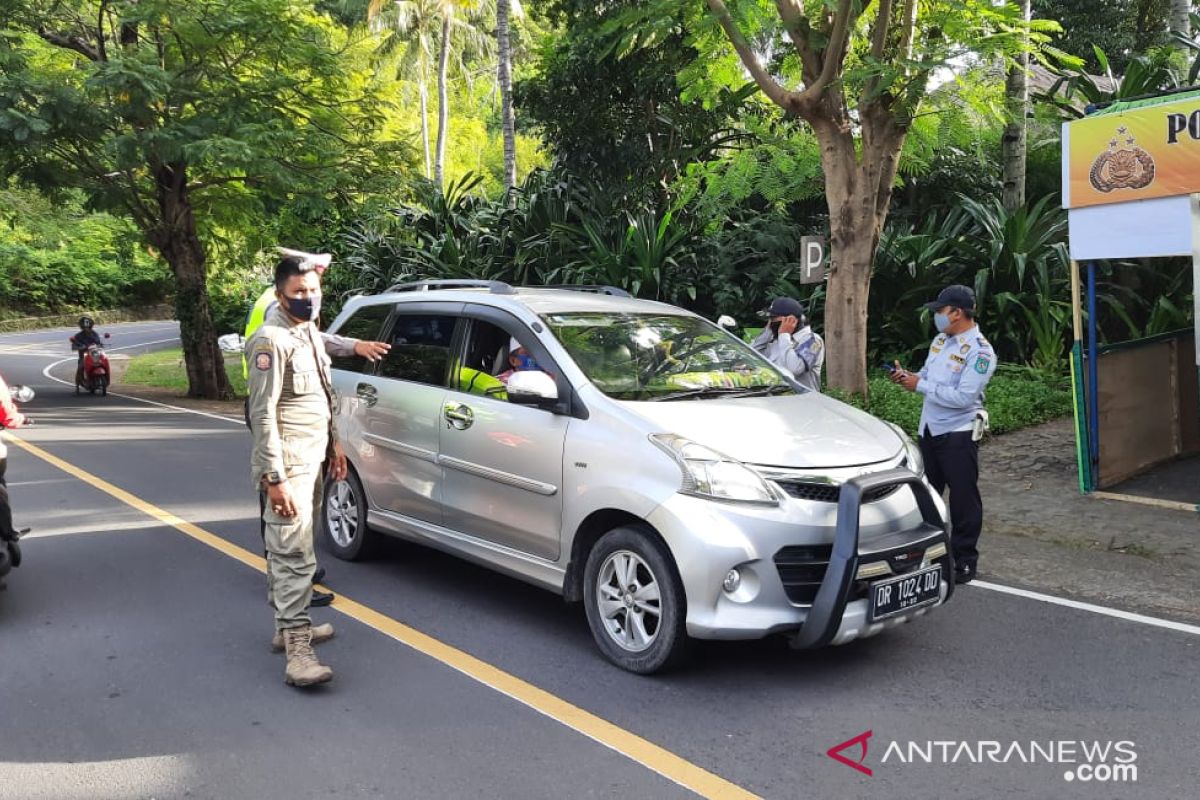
x,y
519,360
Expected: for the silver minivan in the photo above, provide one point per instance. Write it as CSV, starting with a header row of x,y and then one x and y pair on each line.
x,y
636,457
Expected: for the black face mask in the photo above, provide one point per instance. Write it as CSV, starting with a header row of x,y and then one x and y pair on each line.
x,y
305,308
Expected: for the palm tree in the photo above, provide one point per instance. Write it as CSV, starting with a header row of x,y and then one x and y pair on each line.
x,y
504,78
462,34
415,28
411,26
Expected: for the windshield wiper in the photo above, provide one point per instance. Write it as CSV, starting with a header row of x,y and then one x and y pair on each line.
x,y
707,391
763,391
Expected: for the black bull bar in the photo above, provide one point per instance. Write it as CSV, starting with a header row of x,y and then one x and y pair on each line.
x,y
825,617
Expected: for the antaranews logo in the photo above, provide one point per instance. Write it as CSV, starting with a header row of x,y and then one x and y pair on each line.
x,y
1086,761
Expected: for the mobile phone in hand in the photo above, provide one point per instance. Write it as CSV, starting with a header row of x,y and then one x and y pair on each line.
x,y
889,367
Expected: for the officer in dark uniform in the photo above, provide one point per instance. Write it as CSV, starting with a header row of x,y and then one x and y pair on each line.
x,y
956,372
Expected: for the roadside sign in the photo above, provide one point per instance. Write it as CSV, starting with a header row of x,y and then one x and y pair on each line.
x,y
812,249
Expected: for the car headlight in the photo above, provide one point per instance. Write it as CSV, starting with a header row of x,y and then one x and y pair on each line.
x,y
912,452
707,473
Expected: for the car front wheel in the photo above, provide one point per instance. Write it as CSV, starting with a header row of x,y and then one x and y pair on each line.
x,y
634,601
344,519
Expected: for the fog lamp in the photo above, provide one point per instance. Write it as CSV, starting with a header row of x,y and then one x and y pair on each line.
x,y
733,579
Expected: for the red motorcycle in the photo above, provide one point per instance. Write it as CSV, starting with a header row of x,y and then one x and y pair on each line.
x,y
93,373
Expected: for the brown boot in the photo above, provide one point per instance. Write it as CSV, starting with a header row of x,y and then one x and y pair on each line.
x,y
320,633
303,669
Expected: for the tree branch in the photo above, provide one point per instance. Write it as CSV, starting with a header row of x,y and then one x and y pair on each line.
x,y
879,35
69,43
834,51
770,87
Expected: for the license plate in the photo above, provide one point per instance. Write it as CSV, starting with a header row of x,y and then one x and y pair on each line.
x,y
904,593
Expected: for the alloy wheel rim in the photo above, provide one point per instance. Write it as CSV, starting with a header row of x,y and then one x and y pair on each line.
x,y
342,514
629,601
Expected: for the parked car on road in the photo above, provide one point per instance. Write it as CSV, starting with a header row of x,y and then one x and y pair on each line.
x,y
647,463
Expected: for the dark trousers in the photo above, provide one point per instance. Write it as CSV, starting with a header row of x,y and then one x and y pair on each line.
x,y
952,459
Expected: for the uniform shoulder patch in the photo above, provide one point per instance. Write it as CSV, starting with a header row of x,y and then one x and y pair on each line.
x,y
263,360
983,363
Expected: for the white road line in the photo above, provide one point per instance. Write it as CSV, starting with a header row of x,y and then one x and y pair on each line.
x,y
46,373
1129,616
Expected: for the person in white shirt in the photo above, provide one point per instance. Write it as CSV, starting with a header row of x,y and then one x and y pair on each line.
x,y
791,344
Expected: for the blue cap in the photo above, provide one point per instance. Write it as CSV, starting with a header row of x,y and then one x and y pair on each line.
x,y
956,296
784,307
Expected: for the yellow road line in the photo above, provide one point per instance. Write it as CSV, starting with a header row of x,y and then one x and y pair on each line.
x,y
630,745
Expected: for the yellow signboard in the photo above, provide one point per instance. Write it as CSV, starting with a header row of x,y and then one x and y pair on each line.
x,y
1138,154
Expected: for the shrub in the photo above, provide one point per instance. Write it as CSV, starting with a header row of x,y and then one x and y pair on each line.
x,y
1017,397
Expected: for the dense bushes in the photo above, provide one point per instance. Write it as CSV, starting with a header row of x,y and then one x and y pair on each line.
x,y
60,260
1016,398
558,228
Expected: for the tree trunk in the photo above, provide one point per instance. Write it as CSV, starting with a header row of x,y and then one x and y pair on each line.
x,y
1013,143
858,192
423,90
176,239
504,70
439,167
1180,21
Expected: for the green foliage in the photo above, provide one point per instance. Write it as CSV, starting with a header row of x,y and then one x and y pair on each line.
x,y
1015,398
60,259
623,121
1121,28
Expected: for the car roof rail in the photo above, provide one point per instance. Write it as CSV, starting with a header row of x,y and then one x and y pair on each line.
x,y
614,291
495,287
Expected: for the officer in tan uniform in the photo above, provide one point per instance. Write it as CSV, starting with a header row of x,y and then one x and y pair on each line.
x,y
290,410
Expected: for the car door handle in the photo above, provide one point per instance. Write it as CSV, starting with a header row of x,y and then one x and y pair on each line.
x,y
367,393
459,416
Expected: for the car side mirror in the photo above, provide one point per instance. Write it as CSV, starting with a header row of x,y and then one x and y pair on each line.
x,y
532,387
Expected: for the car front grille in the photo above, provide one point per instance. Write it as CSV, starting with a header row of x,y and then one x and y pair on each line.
x,y
801,569
828,493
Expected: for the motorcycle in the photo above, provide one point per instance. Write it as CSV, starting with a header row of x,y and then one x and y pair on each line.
x,y
10,550
93,373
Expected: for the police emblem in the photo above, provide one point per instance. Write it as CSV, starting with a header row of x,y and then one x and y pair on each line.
x,y
262,361
981,364
1122,166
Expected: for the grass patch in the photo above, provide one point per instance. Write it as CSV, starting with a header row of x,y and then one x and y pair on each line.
x,y
164,369
1017,397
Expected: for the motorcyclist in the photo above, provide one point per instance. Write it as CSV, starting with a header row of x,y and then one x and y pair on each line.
x,y
10,417
81,341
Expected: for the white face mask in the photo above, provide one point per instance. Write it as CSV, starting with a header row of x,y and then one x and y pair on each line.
x,y
941,322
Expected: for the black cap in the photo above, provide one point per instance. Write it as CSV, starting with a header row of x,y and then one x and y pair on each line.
x,y
784,307
956,295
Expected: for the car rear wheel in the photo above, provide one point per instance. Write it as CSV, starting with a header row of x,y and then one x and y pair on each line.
x,y
344,519
634,601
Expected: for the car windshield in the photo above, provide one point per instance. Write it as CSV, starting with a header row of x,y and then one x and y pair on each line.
x,y
663,357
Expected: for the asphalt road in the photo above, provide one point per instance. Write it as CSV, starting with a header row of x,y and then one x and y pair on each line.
x,y
134,661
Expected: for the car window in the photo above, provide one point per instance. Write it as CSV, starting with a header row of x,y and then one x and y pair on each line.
x,y
663,357
485,362
367,324
420,348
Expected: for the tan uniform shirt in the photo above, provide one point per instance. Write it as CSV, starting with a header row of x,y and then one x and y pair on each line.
x,y
290,409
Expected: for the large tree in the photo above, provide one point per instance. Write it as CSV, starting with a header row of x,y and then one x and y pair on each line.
x,y
856,71
163,109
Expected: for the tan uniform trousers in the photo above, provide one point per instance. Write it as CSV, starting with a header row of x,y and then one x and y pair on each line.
x,y
288,541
